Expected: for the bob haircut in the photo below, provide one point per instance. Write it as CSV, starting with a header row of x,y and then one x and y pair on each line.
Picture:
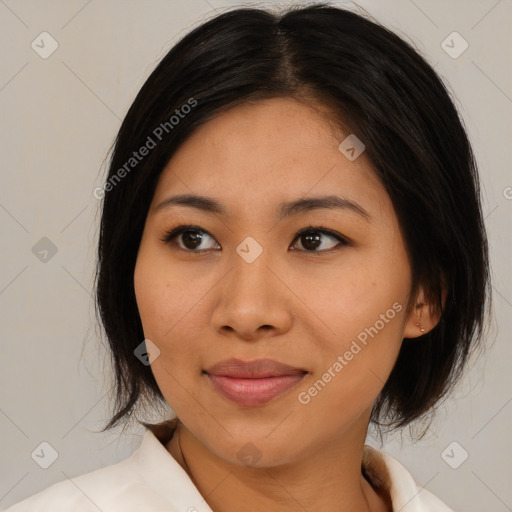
x,y
377,87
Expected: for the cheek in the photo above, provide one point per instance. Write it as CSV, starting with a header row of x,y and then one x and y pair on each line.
x,y
363,302
164,297
149,285
354,368
164,293
351,293
170,300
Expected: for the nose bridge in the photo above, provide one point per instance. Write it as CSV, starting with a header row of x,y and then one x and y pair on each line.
x,y
250,273
251,296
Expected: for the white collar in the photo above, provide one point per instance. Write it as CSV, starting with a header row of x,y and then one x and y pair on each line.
x,y
383,470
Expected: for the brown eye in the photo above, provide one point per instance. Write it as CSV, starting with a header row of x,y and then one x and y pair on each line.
x,y
317,240
191,239
188,238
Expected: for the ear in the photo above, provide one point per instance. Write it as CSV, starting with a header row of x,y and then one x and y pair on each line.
x,y
423,316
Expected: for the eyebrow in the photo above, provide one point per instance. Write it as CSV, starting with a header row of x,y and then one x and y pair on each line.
x,y
285,210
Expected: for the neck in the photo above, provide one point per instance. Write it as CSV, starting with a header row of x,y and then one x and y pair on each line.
x,y
325,479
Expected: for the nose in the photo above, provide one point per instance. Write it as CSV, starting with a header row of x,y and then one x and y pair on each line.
x,y
252,301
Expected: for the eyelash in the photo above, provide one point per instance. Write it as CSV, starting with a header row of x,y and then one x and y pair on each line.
x,y
173,233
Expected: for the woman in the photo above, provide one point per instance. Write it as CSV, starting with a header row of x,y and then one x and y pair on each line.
x,y
291,248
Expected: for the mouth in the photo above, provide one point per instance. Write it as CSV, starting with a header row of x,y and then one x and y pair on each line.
x,y
254,382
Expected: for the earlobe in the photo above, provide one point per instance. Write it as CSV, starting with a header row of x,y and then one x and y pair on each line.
x,y
423,317
416,324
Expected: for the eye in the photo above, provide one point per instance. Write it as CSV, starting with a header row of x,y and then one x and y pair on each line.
x,y
311,239
191,237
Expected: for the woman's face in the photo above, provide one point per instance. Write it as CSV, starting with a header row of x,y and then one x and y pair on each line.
x,y
241,284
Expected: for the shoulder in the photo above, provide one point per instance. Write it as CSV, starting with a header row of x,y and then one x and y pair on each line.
x,y
87,492
122,486
390,477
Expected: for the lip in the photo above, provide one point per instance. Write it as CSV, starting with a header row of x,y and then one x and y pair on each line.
x,y
255,369
252,383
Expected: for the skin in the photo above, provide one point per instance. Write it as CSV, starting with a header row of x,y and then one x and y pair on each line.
x,y
298,307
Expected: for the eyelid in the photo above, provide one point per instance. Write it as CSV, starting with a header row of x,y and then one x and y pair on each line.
x,y
174,232
326,231
170,234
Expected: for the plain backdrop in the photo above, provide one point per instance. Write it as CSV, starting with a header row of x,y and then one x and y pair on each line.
x,y
60,115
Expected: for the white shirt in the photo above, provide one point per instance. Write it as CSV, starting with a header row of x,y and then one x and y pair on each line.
x,y
151,480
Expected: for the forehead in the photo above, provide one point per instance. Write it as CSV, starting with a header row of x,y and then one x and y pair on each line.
x,y
262,153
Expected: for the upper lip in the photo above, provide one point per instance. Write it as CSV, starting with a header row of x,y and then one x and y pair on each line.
x,y
257,368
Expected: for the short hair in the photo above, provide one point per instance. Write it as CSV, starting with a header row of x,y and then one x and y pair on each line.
x,y
382,90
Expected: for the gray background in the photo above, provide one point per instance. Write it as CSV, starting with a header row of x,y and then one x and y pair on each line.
x,y
59,118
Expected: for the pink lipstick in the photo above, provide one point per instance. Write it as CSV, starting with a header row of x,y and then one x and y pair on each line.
x,y
254,382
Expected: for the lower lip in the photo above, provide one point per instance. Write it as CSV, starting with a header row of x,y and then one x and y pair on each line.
x,y
251,392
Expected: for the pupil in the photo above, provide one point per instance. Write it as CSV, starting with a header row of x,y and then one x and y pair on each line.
x,y
310,239
191,237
